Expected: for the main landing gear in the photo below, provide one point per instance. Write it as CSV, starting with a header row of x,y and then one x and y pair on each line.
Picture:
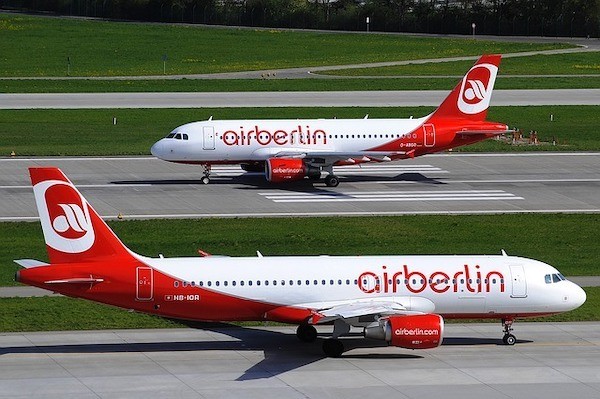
x,y
306,333
508,339
332,347
206,173
331,180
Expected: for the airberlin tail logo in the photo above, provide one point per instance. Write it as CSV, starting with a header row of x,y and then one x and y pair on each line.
x,y
476,89
65,217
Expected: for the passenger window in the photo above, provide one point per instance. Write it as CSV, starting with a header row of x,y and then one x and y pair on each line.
x,y
548,279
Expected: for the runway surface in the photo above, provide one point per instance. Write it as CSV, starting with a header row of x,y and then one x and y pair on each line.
x,y
145,187
288,99
550,360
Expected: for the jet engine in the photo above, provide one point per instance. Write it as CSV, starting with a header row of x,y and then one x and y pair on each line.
x,y
420,331
285,169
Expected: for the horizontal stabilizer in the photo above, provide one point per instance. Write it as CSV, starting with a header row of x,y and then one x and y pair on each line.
x,y
476,132
76,280
29,263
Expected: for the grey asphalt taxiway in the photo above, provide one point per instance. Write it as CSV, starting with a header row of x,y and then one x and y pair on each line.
x,y
145,187
550,360
287,99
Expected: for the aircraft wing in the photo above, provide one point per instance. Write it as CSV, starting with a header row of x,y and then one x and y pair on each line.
x,y
353,310
377,307
335,156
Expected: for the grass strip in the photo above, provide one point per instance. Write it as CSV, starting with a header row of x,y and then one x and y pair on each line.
x,y
67,314
42,46
568,242
91,132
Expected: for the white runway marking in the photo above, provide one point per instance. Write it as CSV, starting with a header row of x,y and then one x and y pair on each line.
x,y
387,196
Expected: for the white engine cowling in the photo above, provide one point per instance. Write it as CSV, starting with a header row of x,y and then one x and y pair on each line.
x,y
421,331
289,169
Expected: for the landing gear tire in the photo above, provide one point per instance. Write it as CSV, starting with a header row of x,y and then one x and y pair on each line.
x,y
205,179
333,347
332,181
509,339
306,333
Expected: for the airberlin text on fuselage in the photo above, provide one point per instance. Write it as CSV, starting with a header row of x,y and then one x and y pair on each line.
x,y
277,137
439,282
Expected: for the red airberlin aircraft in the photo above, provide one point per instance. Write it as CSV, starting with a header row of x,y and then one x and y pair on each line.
x,y
399,299
295,149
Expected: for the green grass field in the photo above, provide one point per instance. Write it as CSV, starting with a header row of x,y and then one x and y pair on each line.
x,y
587,63
235,85
37,46
61,314
51,132
568,242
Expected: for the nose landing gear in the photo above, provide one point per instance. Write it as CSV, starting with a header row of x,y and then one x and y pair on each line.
x,y
206,173
508,339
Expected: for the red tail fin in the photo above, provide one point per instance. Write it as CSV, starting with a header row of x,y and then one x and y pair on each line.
x,y
73,231
471,97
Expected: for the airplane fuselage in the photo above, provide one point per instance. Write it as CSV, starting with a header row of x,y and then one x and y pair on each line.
x,y
236,141
284,288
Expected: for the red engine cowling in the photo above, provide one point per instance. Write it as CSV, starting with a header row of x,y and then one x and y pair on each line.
x,y
286,169
412,332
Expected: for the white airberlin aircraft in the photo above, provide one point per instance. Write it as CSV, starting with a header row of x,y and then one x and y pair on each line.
x,y
399,299
295,149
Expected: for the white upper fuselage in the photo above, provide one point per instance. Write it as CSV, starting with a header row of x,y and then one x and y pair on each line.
x,y
256,140
446,285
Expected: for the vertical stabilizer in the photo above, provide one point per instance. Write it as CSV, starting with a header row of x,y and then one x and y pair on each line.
x,y
471,97
73,231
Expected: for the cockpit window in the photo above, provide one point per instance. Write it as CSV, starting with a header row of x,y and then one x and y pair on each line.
x,y
170,135
178,136
185,136
554,278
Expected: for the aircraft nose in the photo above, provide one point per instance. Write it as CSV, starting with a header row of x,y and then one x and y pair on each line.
x,y
576,296
158,149
579,296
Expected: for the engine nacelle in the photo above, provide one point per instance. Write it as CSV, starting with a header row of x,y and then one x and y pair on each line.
x,y
422,331
288,169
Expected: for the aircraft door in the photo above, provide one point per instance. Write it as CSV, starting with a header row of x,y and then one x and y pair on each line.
x,y
429,134
519,284
144,284
208,138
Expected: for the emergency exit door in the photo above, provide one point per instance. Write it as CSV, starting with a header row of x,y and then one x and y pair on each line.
x,y
519,285
429,134
209,138
145,284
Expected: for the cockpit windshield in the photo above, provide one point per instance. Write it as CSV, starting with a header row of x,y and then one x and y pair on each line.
x,y
554,278
177,136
